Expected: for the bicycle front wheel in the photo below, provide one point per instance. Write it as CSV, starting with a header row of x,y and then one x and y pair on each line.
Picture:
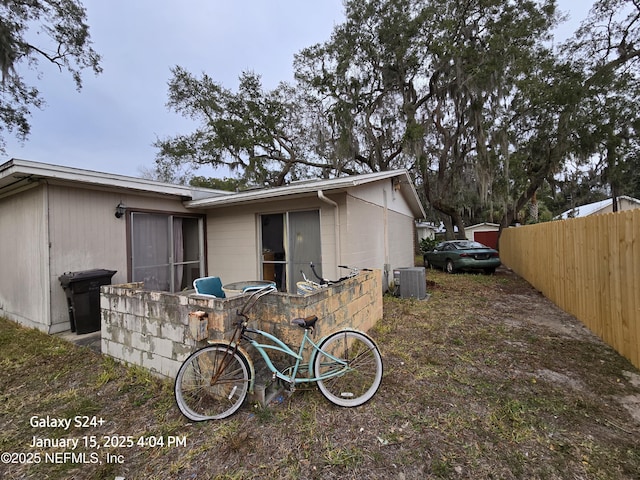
x,y
212,383
349,365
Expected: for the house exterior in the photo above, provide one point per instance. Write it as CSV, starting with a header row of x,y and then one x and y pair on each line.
x,y
597,208
55,220
426,230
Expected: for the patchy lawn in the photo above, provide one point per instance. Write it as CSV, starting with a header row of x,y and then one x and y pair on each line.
x,y
486,379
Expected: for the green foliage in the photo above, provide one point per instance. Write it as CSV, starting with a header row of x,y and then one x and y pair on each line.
x,y
51,30
262,136
228,184
428,244
476,99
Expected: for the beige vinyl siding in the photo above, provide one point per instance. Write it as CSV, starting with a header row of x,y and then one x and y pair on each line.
x,y
332,252
232,245
378,236
624,204
233,239
24,294
85,234
401,245
365,229
375,193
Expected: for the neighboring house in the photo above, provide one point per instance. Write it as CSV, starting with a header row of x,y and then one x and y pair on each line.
x,y
56,219
426,230
597,208
485,233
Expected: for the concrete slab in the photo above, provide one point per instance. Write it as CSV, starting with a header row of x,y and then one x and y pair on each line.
x,y
92,340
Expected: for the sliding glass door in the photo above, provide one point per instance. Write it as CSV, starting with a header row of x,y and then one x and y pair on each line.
x,y
290,241
166,251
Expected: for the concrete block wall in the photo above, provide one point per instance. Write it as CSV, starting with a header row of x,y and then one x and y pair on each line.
x,y
156,331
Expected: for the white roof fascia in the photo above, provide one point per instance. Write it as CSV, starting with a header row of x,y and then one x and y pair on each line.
x,y
592,208
629,199
427,225
35,170
307,188
483,224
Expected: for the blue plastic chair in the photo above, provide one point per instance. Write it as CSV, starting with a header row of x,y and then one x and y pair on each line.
x,y
210,286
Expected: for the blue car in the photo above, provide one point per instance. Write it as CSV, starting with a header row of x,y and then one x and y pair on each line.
x,y
462,255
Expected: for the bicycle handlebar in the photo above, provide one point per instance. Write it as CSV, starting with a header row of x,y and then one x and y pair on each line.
x,y
325,281
256,294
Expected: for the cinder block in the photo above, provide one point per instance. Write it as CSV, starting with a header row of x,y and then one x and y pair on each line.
x,y
172,331
140,341
180,351
132,355
113,349
216,321
169,367
162,346
112,332
151,326
132,323
152,362
139,322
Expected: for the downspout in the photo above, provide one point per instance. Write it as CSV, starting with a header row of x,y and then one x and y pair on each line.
x,y
336,213
387,257
47,253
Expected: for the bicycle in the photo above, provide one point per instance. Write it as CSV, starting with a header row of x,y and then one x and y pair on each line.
x,y
214,381
308,286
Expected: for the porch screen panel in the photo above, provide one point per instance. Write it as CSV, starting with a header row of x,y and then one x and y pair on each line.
x,y
189,253
304,244
274,257
167,251
150,250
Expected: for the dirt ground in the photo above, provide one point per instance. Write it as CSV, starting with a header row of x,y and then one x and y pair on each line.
x,y
541,312
486,379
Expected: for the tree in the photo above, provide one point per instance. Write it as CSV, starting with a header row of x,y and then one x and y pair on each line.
x,y
53,31
610,39
422,84
472,97
578,106
266,137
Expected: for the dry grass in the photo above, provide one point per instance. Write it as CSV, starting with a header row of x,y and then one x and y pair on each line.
x,y
484,380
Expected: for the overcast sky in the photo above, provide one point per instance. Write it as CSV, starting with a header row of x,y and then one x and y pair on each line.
x,y
111,124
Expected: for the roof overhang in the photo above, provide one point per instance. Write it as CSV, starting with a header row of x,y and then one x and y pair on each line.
x,y
310,188
17,174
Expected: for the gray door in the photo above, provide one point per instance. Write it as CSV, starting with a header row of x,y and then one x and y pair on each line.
x,y
304,245
290,241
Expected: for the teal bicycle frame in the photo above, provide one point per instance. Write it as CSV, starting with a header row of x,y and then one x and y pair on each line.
x,y
282,347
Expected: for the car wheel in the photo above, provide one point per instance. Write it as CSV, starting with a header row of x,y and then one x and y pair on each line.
x,y
426,263
449,268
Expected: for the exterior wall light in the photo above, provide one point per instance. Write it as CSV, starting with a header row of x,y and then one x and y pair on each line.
x,y
121,209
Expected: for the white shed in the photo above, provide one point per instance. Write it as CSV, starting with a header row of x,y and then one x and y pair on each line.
x,y
485,233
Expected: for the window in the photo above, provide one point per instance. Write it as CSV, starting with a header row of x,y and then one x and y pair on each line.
x,y
289,242
166,251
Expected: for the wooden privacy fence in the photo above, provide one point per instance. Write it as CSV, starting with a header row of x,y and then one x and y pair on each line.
x,y
589,267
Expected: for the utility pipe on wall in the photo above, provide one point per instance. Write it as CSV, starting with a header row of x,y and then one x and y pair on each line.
x,y
336,213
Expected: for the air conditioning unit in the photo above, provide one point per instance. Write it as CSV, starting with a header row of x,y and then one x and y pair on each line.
x,y
410,282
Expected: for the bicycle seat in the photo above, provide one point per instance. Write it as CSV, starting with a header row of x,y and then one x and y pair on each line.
x,y
306,323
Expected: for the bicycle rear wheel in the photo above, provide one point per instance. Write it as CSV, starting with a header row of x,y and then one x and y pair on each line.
x,y
353,364
212,383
